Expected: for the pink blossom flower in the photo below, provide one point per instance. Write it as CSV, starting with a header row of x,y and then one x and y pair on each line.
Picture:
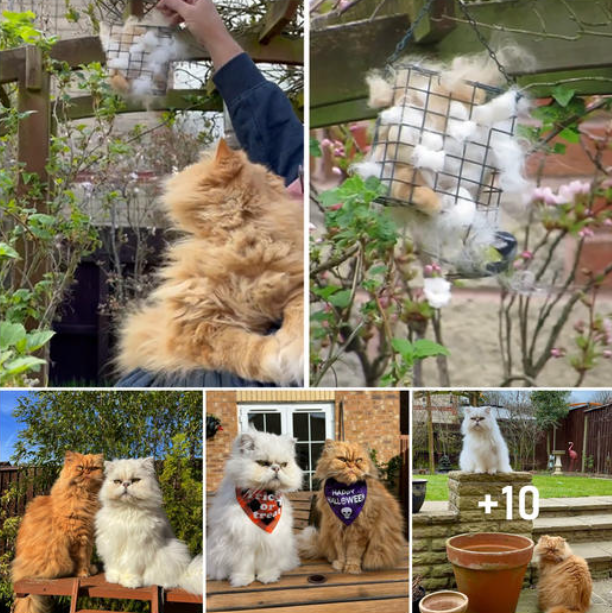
x,y
312,227
326,143
546,195
344,4
607,354
518,263
586,233
337,171
556,352
579,327
335,207
569,192
428,269
339,152
527,255
607,222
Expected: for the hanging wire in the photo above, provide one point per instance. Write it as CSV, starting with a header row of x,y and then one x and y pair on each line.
x,y
409,33
483,41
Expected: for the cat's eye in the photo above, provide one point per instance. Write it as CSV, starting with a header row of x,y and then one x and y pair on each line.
x,y
79,468
283,464
117,481
135,480
359,460
263,463
343,459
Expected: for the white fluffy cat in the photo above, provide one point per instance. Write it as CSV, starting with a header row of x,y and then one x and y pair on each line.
x,y
484,449
133,534
247,543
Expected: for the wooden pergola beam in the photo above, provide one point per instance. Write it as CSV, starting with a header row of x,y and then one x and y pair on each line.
x,y
279,14
78,51
343,53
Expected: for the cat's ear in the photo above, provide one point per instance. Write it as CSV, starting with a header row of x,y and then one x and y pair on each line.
x,y
246,442
224,151
70,456
487,410
467,410
290,439
227,161
149,463
108,464
98,458
329,443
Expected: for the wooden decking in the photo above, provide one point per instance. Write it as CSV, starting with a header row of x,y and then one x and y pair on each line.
x,y
162,601
371,592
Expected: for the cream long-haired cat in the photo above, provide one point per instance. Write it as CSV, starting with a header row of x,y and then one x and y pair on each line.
x,y
362,526
250,522
484,448
133,535
565,583
238,270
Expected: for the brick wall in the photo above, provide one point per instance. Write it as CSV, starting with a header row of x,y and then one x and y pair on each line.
x,y
222,405
371,418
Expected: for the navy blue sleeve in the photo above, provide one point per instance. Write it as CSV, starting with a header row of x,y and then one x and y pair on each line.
x,y
262,116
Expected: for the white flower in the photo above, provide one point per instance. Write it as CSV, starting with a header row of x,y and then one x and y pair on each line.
x,y
437,291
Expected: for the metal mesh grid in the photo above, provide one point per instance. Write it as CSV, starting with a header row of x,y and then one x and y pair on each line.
x,y
119,40
426,109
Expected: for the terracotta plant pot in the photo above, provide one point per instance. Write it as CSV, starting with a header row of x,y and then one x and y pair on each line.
x,y
489,568
419,491
444,602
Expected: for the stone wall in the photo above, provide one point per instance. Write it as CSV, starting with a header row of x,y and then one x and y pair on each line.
x,y
431,529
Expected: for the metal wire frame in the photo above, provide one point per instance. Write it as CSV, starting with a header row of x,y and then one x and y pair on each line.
x,y
117,44
484,189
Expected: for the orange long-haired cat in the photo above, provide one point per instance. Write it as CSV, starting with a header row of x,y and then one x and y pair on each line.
x,y
238,270
565,583
362,526
56,535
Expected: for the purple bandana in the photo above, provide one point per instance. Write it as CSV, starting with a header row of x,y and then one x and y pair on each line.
x,y
346,501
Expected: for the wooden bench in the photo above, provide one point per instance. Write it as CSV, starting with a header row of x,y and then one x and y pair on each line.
x,y
162,601
315,587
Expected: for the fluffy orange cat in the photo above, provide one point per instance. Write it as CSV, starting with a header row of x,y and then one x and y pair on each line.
x,y
238,270
565,583
56,535
375,537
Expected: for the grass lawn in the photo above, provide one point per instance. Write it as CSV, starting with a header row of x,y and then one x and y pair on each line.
x,y
549,486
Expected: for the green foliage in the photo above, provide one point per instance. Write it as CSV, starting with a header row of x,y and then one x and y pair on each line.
x,y
183,492
18,29
16,345
550,407
361,289
117,424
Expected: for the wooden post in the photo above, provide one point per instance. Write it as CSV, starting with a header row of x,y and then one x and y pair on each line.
x,y
585,438
32,154
430,436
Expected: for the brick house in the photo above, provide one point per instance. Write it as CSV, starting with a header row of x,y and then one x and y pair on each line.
x,y
378,419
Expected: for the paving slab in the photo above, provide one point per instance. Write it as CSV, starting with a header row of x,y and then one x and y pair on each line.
x,y
601,602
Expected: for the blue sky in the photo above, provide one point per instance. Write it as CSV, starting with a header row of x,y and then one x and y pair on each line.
x,y
8,425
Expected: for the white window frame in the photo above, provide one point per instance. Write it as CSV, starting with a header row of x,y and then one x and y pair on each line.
x,y
286,411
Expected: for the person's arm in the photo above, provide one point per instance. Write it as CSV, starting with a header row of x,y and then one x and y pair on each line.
x,y
262,116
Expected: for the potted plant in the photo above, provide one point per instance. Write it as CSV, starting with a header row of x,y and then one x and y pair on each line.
x,y
418,592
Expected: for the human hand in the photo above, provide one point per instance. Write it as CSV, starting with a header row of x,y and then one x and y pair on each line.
x,y
205,24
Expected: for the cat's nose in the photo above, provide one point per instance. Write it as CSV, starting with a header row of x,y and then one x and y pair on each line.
x,y
275,467
126,483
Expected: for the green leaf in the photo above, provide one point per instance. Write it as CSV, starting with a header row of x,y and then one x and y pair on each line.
x,y
571,134
341,299
315,148
405,348
21,365
326,292
559,148
563,95
11,334
424,348
37,339
6,251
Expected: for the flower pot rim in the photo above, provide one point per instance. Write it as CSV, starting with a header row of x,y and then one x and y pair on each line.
x,y
462,599
529,544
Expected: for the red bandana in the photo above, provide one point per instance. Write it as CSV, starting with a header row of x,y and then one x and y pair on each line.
x,y
262,508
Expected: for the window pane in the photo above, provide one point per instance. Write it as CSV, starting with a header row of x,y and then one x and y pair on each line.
x,y
301,450
317,449
317,426
306,482
256,420
273,423
300,426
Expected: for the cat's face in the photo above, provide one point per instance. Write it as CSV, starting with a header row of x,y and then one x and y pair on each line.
x,y
220,193
131,482
84,470
262,461
345,462
478,419
551,548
